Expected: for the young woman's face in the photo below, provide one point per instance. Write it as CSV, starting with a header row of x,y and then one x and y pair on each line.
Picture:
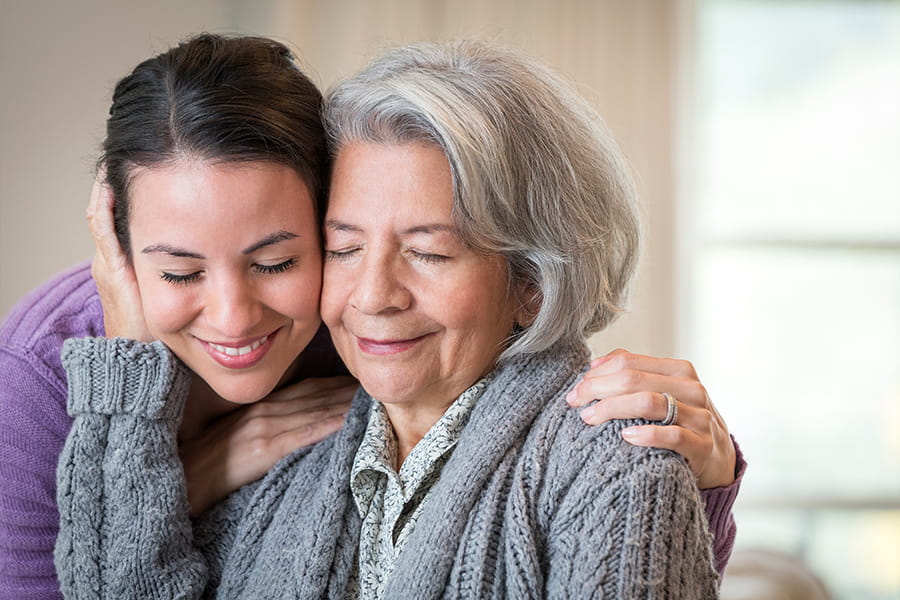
x,y
229,265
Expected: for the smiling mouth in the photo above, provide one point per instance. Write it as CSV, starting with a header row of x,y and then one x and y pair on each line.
x,y
384,347
240,357
231,351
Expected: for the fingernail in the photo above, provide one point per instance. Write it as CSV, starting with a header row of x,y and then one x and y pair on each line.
x,y
570,397
586,412
629,433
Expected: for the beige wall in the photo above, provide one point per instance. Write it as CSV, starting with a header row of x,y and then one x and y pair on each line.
x,y
61,63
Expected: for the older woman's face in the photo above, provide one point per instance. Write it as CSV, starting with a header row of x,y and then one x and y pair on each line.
x,y
416,315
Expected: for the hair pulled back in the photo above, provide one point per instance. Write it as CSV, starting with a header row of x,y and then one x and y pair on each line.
x,y
217,99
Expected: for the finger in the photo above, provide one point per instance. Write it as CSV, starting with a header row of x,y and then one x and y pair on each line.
x,y
102,224
651,406
307,405
671,437
628,381
310,434
312,386
620,359
257,426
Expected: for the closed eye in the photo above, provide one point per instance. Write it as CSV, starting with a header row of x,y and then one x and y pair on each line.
x,y
428,257
181,279
338,255
277,268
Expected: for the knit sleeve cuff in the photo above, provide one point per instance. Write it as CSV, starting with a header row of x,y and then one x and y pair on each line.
x,y
719,502
121,376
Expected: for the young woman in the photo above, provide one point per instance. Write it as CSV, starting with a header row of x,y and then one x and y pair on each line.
x,y
215,157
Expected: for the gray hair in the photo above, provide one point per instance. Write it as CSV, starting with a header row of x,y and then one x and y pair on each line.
x,y
537,178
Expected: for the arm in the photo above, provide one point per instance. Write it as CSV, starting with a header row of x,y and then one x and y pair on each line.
x,y
624,385
124,525
32,429
630,525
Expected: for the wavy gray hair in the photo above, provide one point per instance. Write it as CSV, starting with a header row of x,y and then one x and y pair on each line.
x,y
537,178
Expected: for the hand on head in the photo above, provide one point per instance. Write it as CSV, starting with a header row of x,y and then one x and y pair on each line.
x,y
630,386
113,273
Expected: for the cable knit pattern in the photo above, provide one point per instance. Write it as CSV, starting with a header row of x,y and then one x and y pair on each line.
x,y
34,422
111,518
532,503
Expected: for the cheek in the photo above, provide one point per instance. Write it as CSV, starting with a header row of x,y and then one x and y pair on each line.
x,y
477,312
298,295
335,291
167,308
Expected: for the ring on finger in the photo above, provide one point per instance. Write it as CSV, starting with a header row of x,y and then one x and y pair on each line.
x,y
671,409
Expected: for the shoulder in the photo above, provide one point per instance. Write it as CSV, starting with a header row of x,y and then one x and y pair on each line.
x,y
585,461
66,306
621,509
32,378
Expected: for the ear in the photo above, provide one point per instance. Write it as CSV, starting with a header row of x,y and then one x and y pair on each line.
x,y
528,300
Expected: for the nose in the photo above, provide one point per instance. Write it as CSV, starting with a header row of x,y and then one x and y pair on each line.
x,y
233,307
380,287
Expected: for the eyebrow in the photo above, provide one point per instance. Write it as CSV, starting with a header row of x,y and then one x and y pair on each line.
x,y
172,250
272,238
336,225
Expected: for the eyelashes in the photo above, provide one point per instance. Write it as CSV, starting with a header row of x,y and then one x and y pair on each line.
x,y
180,279
277,268
343,255
188,278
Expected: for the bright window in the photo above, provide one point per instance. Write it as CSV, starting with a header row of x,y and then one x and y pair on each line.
x,y
791,301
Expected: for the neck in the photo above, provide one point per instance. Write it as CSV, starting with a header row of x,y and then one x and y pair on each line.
x,y
410,424
203,405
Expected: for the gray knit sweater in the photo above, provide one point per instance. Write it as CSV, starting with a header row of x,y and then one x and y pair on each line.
x,y
531,504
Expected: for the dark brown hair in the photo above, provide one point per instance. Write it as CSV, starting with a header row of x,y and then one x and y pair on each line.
x,y
219,99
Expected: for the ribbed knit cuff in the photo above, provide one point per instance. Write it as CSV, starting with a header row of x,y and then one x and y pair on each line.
x,y
122,376
724,497
719,502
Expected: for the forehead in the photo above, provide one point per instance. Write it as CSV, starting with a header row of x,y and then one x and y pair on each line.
x,y
378,182
195,202
197,183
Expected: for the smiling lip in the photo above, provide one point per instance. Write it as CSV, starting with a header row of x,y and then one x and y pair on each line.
x,y
242,354
386,347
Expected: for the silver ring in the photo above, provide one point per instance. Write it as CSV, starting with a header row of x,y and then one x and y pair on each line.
x,y
671,410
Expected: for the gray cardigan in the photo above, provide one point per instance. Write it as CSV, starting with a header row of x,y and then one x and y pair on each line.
x,y
531,504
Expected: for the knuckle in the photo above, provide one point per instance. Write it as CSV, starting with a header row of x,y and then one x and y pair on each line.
x,y
703,394
648,404
677,436
258,447
258,429
630,378
622,358
686,369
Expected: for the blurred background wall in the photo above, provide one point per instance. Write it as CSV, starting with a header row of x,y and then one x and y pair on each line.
x,y
60,61
765,136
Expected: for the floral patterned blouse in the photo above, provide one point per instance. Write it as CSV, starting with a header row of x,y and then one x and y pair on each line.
x,y
389,502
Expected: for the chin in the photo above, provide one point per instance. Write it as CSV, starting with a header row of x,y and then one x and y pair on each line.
x,y
388,391
245,392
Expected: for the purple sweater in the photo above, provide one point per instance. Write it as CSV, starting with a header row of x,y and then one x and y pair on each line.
x,y
34,425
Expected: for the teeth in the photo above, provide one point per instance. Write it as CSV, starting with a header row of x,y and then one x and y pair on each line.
x,y
230,351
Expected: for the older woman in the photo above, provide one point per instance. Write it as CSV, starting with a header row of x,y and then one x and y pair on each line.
x,y
480,224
